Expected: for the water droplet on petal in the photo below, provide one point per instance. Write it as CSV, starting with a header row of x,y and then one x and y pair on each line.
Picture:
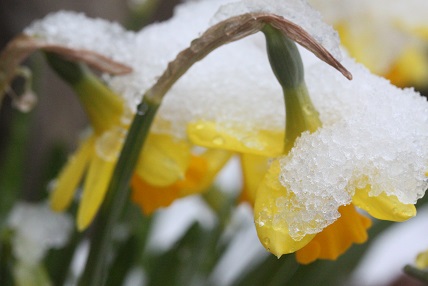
x,y
199,126
142,109
25,102
109,144
218,141
266,242
127,116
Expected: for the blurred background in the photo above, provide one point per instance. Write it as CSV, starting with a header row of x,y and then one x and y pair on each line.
x,y
197,241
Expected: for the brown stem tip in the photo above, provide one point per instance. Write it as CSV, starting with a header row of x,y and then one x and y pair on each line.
x,y
22,46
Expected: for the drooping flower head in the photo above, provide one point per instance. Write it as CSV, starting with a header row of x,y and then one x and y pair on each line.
x,y
369,128
366,154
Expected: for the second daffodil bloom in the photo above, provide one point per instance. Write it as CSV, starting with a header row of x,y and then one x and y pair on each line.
x,y
390,37
168,168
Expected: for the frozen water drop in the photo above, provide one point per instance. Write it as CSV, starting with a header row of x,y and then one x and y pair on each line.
x,y
142,109
200,126
127,116
266,242
219,141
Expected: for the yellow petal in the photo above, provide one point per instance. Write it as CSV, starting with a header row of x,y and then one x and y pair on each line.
x,y
212,135
254,168
199,176
383,207
94,190
274,234
411,68
107,148
422,260
336,238
150,197
421,31
71,175
164,160
356,40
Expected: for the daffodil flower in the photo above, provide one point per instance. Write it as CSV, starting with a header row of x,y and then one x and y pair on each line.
x,y
162,163
388,37
368,153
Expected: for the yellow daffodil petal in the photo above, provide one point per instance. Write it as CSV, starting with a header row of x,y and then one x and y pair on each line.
x,y
103,107
106,153
356,41
261,142
410,68
336,238
94,190
216,160
382,206
71,175
164,160
422,260
274,235
199,176
421,31
254,168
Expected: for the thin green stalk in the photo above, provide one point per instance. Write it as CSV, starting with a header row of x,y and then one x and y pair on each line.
x,y
6,257
12,167
59,261
421,275
284,58
286,63
117,194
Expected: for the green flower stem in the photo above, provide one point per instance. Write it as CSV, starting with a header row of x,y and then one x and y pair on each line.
x,y
286,63
117,194
83,81
6,256
12,167
70,72
101,105
284,58
421,275
301,115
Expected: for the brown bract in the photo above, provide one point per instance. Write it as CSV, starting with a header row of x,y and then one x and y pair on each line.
x,y
23,46
231,30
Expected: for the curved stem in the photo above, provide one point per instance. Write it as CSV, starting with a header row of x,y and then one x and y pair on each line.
x,y
419,274
286,63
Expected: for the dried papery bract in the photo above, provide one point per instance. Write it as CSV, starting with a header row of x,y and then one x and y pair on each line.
x,y
231,30
21,47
